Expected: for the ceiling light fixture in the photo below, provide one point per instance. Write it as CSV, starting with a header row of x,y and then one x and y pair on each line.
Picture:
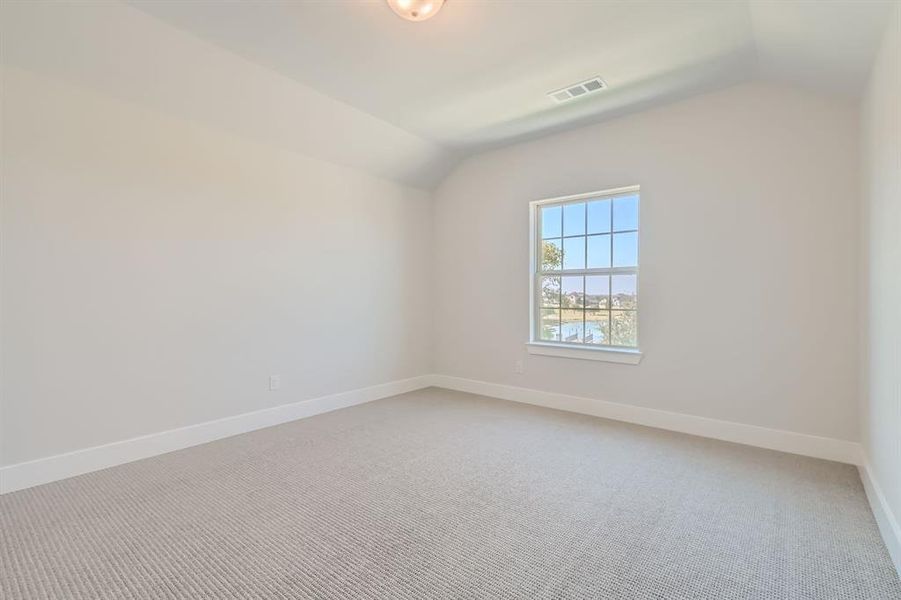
x,y
416,10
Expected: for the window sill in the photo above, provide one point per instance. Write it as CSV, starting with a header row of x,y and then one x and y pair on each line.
x,y
623,356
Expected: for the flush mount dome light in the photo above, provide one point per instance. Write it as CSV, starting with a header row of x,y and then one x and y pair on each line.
x,y
416,10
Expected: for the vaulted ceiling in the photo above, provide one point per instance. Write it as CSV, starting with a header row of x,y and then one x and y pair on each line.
x,y
479,71
349,81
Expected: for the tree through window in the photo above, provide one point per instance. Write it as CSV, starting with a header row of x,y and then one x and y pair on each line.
x,y
586,270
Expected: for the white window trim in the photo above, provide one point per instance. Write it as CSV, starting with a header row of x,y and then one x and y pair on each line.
x,y
613,354
627,356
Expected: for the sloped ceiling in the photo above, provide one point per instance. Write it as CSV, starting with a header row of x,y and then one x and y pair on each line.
x,y
349,82
123,52
478,72
827,47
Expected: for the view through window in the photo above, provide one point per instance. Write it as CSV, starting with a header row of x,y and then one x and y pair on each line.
x,y
586,270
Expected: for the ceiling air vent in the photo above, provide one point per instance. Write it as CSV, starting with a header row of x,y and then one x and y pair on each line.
x,y
580,89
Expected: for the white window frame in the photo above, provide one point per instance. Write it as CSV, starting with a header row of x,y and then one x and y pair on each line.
x,y
562,349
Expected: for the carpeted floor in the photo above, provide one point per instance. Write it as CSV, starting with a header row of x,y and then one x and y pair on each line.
x,y
438,494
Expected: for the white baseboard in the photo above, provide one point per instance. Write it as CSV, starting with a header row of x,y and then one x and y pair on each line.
x,y
53,468
885,518
752,435
61,466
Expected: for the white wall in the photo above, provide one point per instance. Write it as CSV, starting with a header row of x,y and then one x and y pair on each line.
x,y
156,272
166,245
750,201
881,408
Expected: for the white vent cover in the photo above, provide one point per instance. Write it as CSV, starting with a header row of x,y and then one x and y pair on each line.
x,y
582,88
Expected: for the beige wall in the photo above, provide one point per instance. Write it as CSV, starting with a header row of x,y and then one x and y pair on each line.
x,y
156,272
750,201
881,409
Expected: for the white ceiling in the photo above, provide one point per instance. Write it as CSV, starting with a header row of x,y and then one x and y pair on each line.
x,y
121,52
824,45
476,75
349,82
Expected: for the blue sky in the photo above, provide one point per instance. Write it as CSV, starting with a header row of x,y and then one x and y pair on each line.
x,y
594,219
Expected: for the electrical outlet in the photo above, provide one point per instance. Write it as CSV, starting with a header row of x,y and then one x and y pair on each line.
x,y
518,367
275,382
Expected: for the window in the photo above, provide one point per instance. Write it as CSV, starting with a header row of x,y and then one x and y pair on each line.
x,y
585,274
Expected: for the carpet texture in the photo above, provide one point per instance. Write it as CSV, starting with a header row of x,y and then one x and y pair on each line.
x,y
438,494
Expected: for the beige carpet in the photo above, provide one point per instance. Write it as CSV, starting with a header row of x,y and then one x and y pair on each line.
x,y
438,494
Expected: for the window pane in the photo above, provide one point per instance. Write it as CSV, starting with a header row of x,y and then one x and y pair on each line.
x,y
597,327
599,216
625,328
625,249
599,252
551,255
550,291
549,327
550,222
571,326
573,296
624,291
597,309
625,213
597,291
574,253
574,219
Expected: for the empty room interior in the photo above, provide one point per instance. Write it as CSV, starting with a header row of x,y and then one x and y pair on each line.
x,y
450,299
